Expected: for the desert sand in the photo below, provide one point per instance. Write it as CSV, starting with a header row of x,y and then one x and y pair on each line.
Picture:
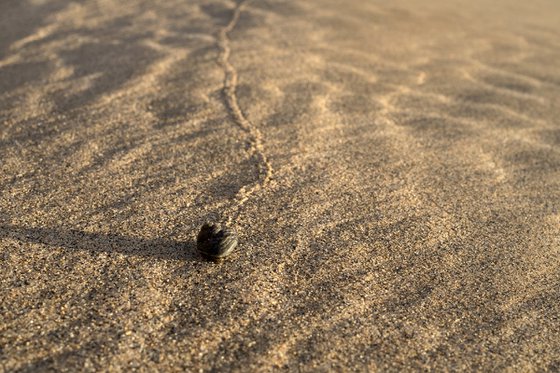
x,y
392,168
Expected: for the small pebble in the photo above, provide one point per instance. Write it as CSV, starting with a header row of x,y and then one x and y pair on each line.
x,y
215,242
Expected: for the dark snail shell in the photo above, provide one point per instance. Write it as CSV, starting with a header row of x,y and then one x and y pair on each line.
x,y
215,242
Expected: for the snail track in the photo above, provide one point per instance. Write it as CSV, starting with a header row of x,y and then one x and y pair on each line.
x,y
230,96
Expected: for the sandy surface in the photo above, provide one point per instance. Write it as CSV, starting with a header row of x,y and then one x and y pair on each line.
x,y
393,170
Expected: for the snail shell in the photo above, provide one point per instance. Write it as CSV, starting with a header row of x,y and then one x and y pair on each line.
x,y
216,242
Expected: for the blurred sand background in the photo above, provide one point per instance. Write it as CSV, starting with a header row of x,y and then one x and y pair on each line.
x,y
411,221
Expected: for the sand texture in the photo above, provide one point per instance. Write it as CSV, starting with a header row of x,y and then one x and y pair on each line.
x,y
392,168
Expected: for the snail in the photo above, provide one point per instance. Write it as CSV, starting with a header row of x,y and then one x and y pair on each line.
x,y
215,242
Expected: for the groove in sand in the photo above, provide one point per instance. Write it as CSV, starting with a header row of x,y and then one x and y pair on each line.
x,y
255,136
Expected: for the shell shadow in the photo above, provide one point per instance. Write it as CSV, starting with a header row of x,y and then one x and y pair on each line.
x,y
73,239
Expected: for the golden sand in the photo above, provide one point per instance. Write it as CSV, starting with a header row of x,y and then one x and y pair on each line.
x,y
392,168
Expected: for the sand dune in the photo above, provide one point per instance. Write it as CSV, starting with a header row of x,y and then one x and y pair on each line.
x,y
393,170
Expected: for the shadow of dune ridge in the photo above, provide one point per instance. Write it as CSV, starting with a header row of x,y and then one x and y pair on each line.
x,y
19,20
73,239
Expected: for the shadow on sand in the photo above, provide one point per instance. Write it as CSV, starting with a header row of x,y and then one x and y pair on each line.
x,y
72,239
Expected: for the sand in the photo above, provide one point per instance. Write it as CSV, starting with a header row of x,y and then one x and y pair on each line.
x,y
392,168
